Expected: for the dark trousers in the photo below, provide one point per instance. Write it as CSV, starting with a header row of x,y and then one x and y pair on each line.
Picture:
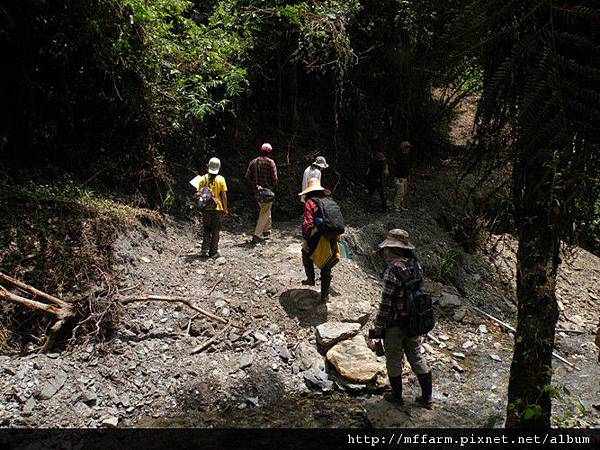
x,y
309,268
379,188
211,227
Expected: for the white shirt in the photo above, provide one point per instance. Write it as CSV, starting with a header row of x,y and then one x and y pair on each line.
x,y
310,173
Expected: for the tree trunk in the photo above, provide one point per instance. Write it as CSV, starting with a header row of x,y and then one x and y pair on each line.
x,y
529,400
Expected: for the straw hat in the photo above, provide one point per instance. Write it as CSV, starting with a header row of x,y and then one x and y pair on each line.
x,y
397,238
405,144
314,184
320,162
214,165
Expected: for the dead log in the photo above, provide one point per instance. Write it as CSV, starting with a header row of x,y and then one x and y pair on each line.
x,y
33,291
62,310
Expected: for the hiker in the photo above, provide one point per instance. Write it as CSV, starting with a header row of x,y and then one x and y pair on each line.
x,y
213,213
320,246
391,321
401,168
375,180
262,175
313,171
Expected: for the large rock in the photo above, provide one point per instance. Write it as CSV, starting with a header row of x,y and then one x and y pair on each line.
x,y
346,310
355,361
330,333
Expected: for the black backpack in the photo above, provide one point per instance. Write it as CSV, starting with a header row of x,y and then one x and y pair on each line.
x,y
333,220
418,302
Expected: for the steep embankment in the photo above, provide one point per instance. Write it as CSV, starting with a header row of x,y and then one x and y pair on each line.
x,y
271,365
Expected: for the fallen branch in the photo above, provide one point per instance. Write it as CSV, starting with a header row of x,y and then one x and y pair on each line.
x,y
164,298
33,291
211,341
504,324
434,339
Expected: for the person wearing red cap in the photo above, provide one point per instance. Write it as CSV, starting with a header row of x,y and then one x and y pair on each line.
x,y
262,176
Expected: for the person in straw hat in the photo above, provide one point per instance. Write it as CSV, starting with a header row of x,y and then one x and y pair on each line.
x,y
317,248
398,253
313,171
212,216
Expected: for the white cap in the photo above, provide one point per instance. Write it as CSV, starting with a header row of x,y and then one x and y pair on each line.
x,y
214,165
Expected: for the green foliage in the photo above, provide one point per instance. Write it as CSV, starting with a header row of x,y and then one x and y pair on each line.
x,y
446,269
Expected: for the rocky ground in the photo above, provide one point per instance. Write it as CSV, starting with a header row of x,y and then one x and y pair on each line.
x,y
288,359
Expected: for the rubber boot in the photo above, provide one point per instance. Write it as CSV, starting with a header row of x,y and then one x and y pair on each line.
x,y
309,268
426,388
325,284
395,396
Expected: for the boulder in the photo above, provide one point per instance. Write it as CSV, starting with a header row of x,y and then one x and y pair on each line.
x,y
349,310
330,333
355,361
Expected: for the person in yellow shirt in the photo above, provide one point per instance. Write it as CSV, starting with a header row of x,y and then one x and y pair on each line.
x,y
212,216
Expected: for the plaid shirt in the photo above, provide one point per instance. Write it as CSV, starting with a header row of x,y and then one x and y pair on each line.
x,y
393,294
262,171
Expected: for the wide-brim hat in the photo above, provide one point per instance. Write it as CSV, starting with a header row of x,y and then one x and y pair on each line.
x,y
405,144
379,156
397,238
314,184
321,162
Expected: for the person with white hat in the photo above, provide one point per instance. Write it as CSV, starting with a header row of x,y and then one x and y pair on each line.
x,y
390,323
212,215
313,171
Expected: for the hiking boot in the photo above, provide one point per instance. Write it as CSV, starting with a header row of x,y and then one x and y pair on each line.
x,y
266,234
325,284
425,399
257,239
395,397
308,282
204,254
216,254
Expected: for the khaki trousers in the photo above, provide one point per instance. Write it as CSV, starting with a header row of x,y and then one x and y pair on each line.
x,y
396,345
263,224
400,194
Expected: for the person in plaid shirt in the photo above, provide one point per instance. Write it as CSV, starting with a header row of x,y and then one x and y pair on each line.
x,y
399,254
262,174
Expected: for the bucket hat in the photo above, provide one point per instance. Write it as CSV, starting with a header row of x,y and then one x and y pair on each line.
x,y
397,238
321,162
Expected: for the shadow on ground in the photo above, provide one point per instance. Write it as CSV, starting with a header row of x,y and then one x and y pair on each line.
x,y
306,305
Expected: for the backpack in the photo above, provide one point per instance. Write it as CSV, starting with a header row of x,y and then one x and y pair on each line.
x,y
418,302
205,199
332,223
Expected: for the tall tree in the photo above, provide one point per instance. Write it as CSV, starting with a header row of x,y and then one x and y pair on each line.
x,y
540,110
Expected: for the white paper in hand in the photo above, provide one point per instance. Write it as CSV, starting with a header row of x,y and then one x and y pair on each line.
x,y
196,181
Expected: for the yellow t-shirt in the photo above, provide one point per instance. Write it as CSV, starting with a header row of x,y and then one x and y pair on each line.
x,y
217,186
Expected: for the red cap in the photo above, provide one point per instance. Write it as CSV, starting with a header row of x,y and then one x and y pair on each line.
x,y
266,148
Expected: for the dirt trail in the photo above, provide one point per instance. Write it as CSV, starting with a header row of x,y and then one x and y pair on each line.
x,y
255,376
